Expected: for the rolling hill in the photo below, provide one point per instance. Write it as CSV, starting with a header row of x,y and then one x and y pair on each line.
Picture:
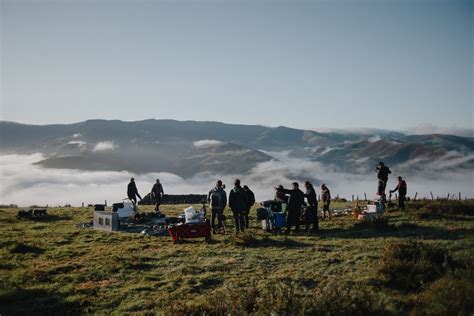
x,y
188,147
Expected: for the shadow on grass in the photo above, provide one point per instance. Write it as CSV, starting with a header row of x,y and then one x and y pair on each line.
x,y
46,218
35,302
21,248
406,230
268,242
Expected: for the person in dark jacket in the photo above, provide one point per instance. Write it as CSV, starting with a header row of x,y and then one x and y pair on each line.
x,y
295,202
217,199
280,195
238,204
250,202
326,198
402,192
132,191
312,211
382,175
157,193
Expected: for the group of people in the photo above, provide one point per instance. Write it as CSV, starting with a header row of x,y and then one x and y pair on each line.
x,y
156,193
382,175
241,199
295,199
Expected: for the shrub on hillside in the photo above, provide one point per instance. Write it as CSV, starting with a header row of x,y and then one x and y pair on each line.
x,y
378,223
410,265
286,297
449,295
438,209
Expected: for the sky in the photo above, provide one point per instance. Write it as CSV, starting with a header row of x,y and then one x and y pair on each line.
x,y
304,64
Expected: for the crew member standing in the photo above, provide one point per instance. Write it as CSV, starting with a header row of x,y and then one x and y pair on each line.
x,y
250,202
217,199
132,191
382,175
156,194
326,197
402,192
310,195
295,202
238,205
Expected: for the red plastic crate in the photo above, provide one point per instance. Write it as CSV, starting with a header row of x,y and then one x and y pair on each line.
x,y
179,232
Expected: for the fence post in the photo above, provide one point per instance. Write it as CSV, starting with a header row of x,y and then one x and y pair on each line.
x,y
432,197
459,196
352,197
448,197
365,196
414,199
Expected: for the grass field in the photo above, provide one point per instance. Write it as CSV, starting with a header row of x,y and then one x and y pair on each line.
x,y
416,262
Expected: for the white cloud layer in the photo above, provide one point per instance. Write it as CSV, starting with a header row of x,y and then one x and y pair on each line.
x,y
206,143
105,145
25,184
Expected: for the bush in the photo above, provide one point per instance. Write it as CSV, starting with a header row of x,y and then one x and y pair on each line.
x,y
449,295
410,265
378,223
288,297
438,209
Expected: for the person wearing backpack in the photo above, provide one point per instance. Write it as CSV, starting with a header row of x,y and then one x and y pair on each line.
x,y
217,199
238,204
250,202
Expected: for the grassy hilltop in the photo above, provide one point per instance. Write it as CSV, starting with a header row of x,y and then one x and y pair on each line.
x,y
416,262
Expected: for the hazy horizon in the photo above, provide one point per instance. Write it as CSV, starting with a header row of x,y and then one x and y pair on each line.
x,y
421,129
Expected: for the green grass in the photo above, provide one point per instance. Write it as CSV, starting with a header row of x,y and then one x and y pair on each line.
x,y
51,266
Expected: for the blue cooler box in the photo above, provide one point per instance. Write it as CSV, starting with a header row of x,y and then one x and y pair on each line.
x,y
280,219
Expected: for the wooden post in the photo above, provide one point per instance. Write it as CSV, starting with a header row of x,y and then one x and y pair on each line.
x,y
357,198
352,197
414,199
82,204
448,197
365,196
459,196
432,197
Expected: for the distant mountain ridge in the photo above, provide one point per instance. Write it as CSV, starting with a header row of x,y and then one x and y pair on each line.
x,y
189,147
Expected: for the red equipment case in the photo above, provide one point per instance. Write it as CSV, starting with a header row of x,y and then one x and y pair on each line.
x,y
190,231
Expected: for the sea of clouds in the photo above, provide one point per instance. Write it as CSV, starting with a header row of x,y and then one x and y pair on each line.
x,y
24,183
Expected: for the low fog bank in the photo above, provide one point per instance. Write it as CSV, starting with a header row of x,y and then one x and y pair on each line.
x,y
25,184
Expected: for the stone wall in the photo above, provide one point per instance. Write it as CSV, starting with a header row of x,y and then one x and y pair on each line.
x,y
175,199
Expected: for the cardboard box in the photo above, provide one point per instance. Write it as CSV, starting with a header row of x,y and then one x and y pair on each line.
x,y
106,221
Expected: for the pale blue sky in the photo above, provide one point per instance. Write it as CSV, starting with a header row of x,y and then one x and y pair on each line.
x,y
305,64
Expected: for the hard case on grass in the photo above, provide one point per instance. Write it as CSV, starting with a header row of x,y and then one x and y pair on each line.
x,y
200,230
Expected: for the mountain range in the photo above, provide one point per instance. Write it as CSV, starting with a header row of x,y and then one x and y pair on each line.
x,y
186,148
